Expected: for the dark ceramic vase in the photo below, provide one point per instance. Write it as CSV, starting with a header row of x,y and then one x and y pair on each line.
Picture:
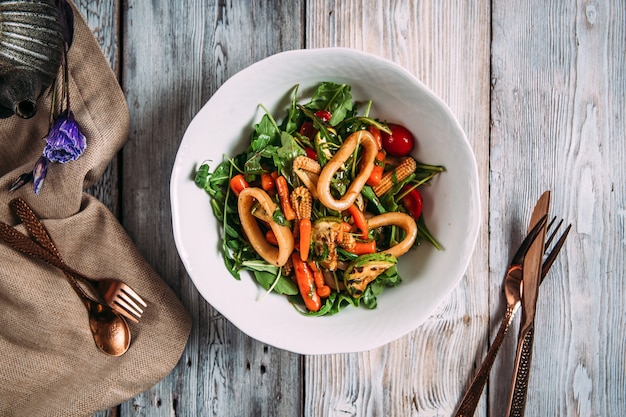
x,y
31,50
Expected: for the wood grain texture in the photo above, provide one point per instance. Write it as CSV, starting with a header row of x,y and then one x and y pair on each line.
x,y
176,54
446,45
557,105
103,17
538,87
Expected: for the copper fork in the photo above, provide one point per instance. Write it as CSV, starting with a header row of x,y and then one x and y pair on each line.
x,y
521,371
117,294
512,290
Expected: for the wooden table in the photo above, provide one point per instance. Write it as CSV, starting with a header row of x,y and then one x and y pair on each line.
x,y
538,87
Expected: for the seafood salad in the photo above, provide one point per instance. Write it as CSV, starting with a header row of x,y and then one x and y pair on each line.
x,y
321,206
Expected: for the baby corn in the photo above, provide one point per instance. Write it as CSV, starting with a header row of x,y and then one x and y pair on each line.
x,y
347,241
398,174
306,164
308,170
302,202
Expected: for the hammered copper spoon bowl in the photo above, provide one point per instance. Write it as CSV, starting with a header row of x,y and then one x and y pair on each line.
x,y
110,331
115,293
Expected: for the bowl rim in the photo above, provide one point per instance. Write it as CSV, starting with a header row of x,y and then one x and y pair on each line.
x,y
473,230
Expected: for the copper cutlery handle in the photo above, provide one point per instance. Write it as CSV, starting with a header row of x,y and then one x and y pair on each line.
x,y
25,245
108,328
473,393
34,225
521,374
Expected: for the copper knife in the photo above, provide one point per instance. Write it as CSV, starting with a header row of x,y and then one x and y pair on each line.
x,y
530,290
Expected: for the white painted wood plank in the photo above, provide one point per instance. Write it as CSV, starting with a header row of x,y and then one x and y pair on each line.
x,y
446,45
176,54
558,77
558,103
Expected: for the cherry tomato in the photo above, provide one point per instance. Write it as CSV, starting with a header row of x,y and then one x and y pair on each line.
x,y
400,143
310,153
412,202
324,115
307,129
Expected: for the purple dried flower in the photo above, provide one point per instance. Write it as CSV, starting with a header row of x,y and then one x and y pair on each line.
x,y
40,170
22,180
64,142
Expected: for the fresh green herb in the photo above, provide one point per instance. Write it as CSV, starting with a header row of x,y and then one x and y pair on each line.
x,y
272,149
336,98
279,217
269,276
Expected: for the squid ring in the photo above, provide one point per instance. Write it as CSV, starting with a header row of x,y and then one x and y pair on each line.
x,y
277,256
402,220
323,185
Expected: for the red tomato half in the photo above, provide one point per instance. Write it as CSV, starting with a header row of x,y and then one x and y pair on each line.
x,y
307,129
310,153
412,202
324,115
400,142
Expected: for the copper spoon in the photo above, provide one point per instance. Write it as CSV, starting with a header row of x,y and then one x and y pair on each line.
x,y
113,292
110,331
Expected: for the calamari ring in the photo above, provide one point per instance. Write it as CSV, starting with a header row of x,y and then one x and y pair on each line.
x,y
323,185
402,220
274,255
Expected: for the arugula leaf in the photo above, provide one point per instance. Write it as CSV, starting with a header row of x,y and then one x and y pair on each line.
x,y
265,132
325,140
202,176
279,217
372,291
344,255
254,164
332,305
352,124
293,119
234,247
424,233
336,98
263,145
272,148
389,278
369,194
288,151
260,265
267,274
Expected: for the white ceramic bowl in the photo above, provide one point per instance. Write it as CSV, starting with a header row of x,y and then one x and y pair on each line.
x,y
451,208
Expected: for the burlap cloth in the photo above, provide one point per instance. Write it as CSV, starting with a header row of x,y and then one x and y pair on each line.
x,y
49,364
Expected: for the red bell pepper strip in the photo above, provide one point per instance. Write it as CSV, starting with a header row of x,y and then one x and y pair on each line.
x,y
306,283
359,221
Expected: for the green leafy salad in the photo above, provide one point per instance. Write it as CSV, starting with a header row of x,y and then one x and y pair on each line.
x,y
320,206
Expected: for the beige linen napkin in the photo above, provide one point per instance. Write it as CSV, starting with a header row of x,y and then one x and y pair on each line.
x,y
49,364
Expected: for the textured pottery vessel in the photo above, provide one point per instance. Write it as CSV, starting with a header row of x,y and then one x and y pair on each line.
x,y
31,50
